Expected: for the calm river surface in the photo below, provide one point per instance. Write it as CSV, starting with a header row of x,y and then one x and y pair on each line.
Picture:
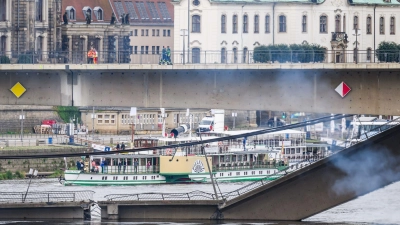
x,y
379,207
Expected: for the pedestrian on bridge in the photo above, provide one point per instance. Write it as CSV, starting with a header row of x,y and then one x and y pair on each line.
x,y
118,146
78,165
123,146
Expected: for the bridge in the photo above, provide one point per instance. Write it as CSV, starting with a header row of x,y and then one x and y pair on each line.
x,y
308,87
302,190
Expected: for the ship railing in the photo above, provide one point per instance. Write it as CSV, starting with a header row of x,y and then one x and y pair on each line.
x,y
306,162
194,195
48,196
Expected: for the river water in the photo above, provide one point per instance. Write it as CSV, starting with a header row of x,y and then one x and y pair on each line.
x,y
379,207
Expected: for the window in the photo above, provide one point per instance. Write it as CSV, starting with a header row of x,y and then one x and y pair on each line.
x,y
158,32
267,24
196,24
196,2
282,23
245,24
169,33
369,54
322,24
223,55
135,50
71,13
39,10
164,33
153,10
234,24
304,24
142,10
129,7
164,11
158,50
142,32
382,25
153,50
3,44
141,49
195,55
223,24
147,49
337,23
235,58
147,32
87,11
369,30
3,10
344,23
135,32
98,12
256,24
355,23
245,55
392,25
153,32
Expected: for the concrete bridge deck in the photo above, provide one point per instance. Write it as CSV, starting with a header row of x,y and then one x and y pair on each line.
x,y
355,171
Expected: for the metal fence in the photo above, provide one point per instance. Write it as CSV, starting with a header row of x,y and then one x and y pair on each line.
x,y
48,196
227,196
203,57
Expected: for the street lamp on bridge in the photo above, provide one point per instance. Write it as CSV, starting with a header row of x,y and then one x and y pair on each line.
x,y
356,32
184,33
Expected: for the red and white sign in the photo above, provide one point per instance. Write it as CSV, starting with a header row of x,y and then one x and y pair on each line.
x,y
343,89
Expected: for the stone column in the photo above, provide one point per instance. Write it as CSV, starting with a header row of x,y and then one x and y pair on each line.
x,y
85,48
44,50
8,12
45,5
100,50
69,48
8,44
116,49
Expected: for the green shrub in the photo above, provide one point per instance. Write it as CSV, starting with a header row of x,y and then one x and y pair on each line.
x,y
4,60
67,113
282,53
388,52
19,175
8,175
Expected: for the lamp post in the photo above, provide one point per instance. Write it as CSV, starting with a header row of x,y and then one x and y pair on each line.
x,y
234,115
184,33
356,33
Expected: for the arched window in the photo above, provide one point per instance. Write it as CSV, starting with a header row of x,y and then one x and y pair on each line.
x,y
282,23
355,23
195,55
245,24
98,12
3,11
392,25
323,24
223,55
245,52
3,45
234,24
369,54
196,24
344,24
304,24
256,24
71,12
235,58
382,25
369,26
39,10
337,23
267,24
223,24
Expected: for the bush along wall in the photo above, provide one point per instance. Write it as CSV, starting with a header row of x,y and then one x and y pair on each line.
x,y
388,52
282,53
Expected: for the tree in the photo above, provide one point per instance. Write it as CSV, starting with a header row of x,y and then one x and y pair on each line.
x,y
388,52
302,53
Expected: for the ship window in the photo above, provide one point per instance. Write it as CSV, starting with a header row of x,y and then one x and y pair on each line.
x,y
253,172
237,173
260,172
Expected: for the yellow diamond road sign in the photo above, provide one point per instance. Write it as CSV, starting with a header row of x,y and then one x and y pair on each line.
x,y
18,90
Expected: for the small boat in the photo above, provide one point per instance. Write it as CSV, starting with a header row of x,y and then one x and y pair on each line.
x,y
258,157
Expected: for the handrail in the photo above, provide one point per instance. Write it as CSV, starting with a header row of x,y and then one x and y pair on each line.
x,y
46,196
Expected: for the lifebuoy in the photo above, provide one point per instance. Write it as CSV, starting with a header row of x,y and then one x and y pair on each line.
x,y
168,151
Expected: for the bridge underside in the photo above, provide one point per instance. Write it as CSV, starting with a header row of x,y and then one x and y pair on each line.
x,y
355,171
290,89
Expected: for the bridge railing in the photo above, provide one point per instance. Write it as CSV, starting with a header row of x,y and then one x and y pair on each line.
x,y
48,196
194,195
201,57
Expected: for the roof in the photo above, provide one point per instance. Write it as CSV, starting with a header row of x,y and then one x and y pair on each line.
x,y
374,2
263,1
80,5
144,11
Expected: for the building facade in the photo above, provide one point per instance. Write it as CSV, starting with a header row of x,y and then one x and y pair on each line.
x,y
223,31
30,30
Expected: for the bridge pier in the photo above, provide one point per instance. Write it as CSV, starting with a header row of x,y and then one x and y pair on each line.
x,y
59,210
112,212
